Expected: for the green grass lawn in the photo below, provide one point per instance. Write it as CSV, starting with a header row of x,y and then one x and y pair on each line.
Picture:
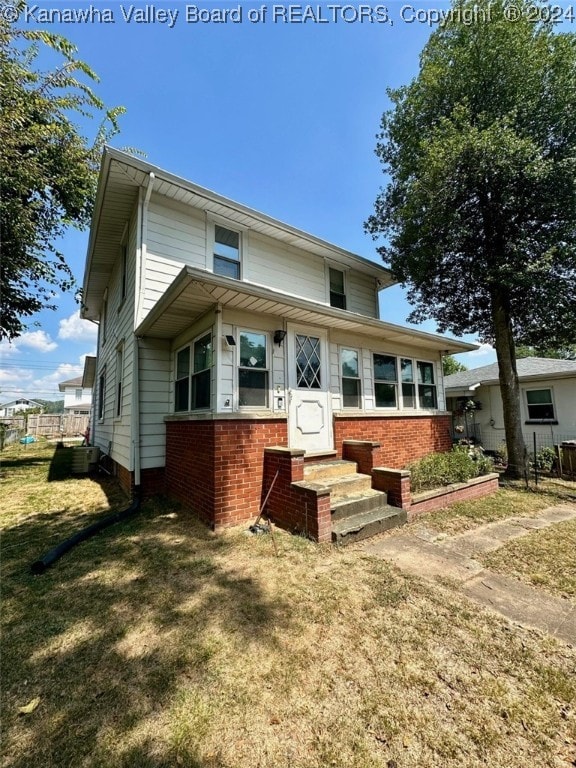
x,y
158,643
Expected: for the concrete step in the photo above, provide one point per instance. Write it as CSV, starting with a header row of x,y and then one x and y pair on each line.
x,y
367,524
355,504
320,472
347,485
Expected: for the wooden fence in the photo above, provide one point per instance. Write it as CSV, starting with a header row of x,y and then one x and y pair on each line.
x,y
48,425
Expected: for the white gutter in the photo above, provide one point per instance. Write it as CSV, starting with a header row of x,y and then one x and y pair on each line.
x,y
142,229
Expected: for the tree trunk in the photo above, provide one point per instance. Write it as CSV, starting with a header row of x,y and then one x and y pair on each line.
x,y
509,387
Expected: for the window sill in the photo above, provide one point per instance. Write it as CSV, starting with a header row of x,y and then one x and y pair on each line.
x,y
227,415
542,421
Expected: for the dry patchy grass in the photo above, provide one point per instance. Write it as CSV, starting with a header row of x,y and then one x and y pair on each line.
x,y
511,500
158,643
545,558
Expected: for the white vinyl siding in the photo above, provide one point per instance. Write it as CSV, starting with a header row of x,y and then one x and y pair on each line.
x,y
361,293
155,398
286,269
176,237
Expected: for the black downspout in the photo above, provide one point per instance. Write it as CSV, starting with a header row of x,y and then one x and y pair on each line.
x,y
39,566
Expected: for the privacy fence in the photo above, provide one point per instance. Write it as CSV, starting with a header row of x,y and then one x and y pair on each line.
x,y
44,425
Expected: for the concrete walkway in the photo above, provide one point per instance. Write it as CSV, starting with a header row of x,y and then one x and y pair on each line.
x,y
428,554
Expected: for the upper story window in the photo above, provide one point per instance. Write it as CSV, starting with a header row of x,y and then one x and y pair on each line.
x,y
123,272
540,405
78,394
193,375
351,386
226,252
253,370
337,288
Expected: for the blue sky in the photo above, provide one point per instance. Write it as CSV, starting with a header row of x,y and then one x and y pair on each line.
x,y
279,114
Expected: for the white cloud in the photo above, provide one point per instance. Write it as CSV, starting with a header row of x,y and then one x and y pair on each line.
x,y
73,328
483,351
37,340
8,348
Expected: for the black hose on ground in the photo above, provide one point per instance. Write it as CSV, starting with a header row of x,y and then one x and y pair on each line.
x,y
39,566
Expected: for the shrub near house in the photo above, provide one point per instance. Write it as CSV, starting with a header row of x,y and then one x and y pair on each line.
x,y
439,469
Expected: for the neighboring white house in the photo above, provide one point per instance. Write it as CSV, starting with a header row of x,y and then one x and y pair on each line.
x,y
77,399
16,406
547,401
223,332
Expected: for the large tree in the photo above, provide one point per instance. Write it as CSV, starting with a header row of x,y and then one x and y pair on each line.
x,y
480,209
48,169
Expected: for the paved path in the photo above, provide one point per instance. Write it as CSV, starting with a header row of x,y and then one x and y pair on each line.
x,y
428,554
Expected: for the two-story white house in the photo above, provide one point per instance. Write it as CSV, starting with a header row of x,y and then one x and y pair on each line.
x,y
77,399
224,332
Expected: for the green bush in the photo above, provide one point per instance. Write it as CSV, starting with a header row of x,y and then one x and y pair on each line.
x,y
545,459
438,469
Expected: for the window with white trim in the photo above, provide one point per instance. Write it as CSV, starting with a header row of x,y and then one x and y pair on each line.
x,y
78,394
226,252
540,405
404,383
385,381
253,374
427,397
351,385
337,288
102,394
193,375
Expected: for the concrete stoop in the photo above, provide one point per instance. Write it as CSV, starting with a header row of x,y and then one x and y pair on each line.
x,y
358,511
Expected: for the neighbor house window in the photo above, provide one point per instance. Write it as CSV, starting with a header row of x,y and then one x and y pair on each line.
x,y
385,381
102,394
119,375
226,252
253,370
427,397
351,387
193,374
540,405
337,288
78,394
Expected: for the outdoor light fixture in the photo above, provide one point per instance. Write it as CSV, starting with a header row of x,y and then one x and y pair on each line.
x,y
279,337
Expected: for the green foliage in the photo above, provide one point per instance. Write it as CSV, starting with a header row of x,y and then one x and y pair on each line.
x,y
438,469
479,214
481,151
545,459
48,169
501,454
450,365
565,352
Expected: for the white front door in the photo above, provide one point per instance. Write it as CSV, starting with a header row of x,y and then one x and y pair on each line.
x,y
309,413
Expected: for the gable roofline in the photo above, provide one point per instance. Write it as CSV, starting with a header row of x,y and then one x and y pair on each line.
x,y
124,175
529,369
76,382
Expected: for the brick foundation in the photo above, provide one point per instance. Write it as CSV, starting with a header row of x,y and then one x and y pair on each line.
x,y
216,467
293,504
400,439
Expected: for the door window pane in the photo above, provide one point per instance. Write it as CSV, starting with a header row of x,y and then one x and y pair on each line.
x,y
308,362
